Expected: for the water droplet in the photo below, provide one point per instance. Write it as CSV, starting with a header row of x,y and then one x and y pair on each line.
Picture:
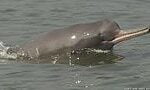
x,y
70,62
78,81
73,37
78,58
86,86
86,34
54,62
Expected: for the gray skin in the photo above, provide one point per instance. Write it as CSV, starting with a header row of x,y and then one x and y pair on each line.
x,y
97,35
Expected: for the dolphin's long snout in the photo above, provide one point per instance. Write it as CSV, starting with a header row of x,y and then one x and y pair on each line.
x,y
123,36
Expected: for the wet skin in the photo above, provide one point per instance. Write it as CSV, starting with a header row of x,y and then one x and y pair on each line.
x,y
96,35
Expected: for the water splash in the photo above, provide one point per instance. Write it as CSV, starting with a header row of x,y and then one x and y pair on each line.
x,y
86,56
4,52
100,51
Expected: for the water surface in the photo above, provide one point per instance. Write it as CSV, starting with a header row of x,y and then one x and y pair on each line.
x,y
21,20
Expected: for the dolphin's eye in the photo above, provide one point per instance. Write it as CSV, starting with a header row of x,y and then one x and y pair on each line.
x,y
101,37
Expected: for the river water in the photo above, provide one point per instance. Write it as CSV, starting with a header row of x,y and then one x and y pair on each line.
x,y
21,20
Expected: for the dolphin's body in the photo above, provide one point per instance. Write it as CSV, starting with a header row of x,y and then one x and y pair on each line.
x,y
96,35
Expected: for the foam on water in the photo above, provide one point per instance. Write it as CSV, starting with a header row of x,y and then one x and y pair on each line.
x,y
4,53
100,51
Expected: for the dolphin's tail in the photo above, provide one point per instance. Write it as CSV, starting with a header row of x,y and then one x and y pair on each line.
x,y
4,52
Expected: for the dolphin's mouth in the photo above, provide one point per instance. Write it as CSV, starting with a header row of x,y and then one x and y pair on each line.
x,y
123,36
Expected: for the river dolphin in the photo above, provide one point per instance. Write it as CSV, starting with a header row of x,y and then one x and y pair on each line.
x,y
102,35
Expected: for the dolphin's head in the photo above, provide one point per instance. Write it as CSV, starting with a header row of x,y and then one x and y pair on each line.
x,y
111,34
108,30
